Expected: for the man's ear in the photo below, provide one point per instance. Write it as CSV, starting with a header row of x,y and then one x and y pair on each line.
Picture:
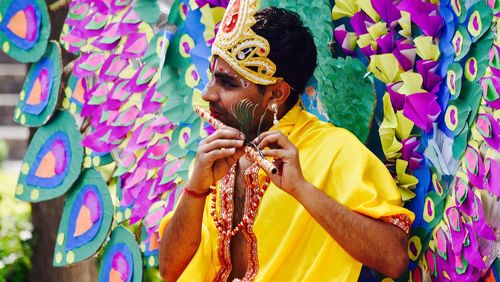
x,y
280,91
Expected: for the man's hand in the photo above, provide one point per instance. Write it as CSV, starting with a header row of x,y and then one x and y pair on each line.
x,y
216,154
374,243
290,177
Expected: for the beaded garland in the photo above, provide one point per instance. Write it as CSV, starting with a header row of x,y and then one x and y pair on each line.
x,y
224,222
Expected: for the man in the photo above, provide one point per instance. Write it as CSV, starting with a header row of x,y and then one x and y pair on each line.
x,y
331,208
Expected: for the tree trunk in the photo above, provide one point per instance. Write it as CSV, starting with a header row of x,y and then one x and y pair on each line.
x,y
45,216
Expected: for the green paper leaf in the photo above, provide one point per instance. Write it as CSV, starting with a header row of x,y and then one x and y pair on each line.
x,y
471,94
147,10
433,209
456,115
454,79
460,143
478,58
351,102
479,19
461,42
459,10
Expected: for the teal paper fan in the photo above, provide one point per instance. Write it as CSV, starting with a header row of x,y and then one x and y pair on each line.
x,y
52,162
86,219
24,29
40,93
122,259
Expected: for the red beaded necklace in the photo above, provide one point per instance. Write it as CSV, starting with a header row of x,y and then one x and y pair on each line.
x,y
252,210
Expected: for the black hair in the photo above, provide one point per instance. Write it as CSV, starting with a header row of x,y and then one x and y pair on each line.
x,y
292,47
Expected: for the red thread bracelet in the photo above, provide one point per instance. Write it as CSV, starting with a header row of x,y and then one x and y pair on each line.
x,y
194,194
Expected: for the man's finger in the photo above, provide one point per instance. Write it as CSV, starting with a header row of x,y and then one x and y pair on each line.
x,y
277,153
274,138
225,132
264,134
215,155
219,144
235,157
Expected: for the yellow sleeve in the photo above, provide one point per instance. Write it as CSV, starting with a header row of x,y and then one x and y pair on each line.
x,y
361,182
202,266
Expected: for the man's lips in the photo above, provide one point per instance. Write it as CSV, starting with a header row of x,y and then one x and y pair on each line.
x,y
215,113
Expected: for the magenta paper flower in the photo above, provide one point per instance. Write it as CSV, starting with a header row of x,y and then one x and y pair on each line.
x,y
425,15
422,109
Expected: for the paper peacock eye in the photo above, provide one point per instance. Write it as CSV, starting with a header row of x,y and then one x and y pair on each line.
x,y
40,91
122,257
24,29
53,160
86,219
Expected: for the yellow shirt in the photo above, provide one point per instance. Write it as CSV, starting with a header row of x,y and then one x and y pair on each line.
x,y
291,245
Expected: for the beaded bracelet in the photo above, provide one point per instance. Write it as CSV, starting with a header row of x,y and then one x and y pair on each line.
x,y
194,194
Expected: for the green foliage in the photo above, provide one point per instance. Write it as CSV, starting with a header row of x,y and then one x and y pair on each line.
x,y
15,233
351,101
4,150
152,275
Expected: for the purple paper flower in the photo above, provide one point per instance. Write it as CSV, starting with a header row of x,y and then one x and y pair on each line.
x,y
212,3
410,154
112,68
135,46
360,21
405,53
342,37
151,102
387,11
397,99
457,230
422,109
155,155
425,15
492,167
385,43
471,251
432,81
142,203
109,38
474,167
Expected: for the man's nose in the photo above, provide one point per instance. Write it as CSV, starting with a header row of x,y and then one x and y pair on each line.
x,y
210,93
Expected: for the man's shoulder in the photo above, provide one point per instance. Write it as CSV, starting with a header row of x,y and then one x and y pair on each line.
x,y
326,132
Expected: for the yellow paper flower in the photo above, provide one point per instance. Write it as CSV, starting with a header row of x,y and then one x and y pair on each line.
x,y
367,7
406,182
405,24
344,8
387,131
426,49
385,67
412,83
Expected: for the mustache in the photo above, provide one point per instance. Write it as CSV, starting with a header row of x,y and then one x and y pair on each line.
x,y
216,108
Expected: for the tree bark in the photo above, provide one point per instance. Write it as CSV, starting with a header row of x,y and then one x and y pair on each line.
x,y
45,216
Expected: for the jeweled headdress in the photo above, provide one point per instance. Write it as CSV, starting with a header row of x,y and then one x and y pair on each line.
x,y
238,45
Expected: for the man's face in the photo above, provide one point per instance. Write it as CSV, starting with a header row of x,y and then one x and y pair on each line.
x,y
226,89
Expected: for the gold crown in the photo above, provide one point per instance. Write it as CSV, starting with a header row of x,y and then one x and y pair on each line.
x,y
238,45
